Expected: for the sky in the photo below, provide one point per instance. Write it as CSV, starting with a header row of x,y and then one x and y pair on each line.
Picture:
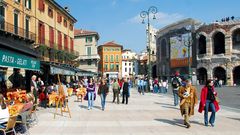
x,y
119,20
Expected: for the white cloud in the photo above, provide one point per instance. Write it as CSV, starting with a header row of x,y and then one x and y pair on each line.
x,y
162,19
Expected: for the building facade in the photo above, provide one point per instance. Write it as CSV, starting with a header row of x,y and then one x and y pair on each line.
x,y
176,49
17,36
218,51
110,64
86,43
129,63
54,27
45,27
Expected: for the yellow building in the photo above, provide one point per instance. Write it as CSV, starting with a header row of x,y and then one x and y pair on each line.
x,y
29,27
55,31
110,64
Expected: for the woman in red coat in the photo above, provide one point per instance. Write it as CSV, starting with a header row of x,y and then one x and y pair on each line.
x,y
208,102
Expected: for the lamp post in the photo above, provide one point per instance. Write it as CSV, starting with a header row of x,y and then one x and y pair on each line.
x,y
143,15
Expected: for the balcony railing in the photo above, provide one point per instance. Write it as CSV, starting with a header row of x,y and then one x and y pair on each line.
x,y
84,57
51,44
4,26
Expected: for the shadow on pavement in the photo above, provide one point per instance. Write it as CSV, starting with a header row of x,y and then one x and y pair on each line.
x,y
86,107
175,122
163,104
170,107
238,119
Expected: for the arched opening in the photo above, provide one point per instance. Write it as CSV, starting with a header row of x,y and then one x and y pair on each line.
x,y
236,75
163,48
219,43
202,45
220,74
202,75
236,40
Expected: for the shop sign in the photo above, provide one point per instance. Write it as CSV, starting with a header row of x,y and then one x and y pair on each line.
x,y
10,59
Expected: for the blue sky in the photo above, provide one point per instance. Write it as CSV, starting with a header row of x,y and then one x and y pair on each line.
x,y
119,20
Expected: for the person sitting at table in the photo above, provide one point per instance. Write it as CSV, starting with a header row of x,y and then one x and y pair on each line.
x,y
3,111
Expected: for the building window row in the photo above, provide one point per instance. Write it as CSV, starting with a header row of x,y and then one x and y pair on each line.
x,y
111,49
112,67
41,33
112,58
41,7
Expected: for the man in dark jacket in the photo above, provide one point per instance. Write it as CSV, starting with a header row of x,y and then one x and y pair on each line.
x,y
125,91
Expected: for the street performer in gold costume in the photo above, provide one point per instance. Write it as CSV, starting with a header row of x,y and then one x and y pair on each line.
x,y
188,100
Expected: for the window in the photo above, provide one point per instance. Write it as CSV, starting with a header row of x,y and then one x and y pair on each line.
x,y
125,64
106,58
71,27
59,18
59,40
117,67
106,67
88,39
65,42
125,69
28,4
51,36
41,5
2,16
112,59
129,64
112,66
41,33
27,26
50,12
65,22
16,22
89,50
133,69
130,70
116,58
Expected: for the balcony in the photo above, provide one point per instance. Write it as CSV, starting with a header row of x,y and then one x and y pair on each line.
x,y
10,28
86,57
56,47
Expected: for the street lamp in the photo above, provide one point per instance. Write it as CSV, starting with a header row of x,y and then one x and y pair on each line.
x,y
143,15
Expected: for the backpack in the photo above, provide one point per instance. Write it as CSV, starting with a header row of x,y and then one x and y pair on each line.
x,y
175,82
115,86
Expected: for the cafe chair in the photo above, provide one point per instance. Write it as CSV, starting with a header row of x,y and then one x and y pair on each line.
x,y
9,126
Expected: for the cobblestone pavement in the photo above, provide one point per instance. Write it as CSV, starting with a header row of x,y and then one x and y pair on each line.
x,y
149,114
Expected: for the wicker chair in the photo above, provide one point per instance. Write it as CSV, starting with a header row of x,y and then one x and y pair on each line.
x,y
9,126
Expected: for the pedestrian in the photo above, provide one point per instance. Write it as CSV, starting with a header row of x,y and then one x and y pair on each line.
x,y
90,93
103,92
142,86
208,102
155,86
188,100
125,91
176,83
34,88
164,86
116,91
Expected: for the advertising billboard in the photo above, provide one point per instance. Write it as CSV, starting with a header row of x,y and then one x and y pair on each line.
x,y
179,50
